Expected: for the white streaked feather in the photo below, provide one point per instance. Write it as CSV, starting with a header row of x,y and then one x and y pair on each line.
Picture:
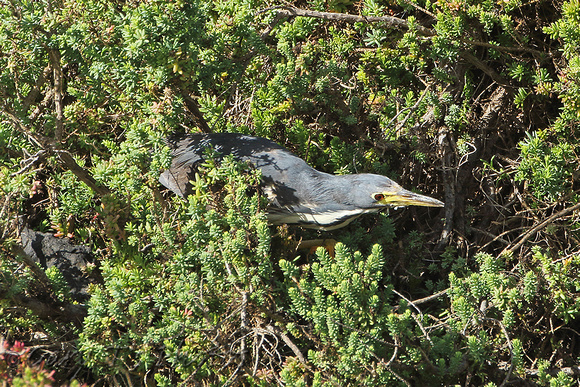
x,y
323,220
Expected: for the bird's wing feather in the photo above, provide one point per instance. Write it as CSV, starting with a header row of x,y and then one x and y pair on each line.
x,y
188,150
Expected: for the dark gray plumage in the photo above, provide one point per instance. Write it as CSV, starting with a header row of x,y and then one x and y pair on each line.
x,y
298,194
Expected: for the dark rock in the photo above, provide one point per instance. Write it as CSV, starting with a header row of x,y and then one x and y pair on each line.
x,y
70,259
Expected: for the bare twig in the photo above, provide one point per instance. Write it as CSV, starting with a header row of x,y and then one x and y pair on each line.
x,y
35,91
271,26
49,145
46,101
26,164
509,344
18,251
449,184
54,56
421,9
244,330
82,174
389,21
408,301
401,24
417,319
35,138
495,237
3,211
191,104
570,371
540,226
394,356
44,307
288,342
505,48
431,297
420,324
391,360
411,110
471,59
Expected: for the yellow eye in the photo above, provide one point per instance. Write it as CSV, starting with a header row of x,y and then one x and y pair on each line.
x,y
378,197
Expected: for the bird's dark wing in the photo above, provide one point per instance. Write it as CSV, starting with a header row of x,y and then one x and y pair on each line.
x,y
188,150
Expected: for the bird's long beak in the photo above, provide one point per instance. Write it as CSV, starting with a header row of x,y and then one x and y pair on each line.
x,y
408,198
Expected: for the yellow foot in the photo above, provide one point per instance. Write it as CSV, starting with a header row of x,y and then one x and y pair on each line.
x,y
313,244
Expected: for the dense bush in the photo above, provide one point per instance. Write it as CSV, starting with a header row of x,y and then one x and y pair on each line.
x,y
474,102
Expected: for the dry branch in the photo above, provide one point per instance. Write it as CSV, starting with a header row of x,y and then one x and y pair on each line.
x,y
496,322
388,21
54,56
505,48
288,342
35,91
449,178
431,297
81,173
471,59
540,226
193,107
51,147
400,24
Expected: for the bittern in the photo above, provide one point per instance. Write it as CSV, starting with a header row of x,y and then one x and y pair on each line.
x,y
297,193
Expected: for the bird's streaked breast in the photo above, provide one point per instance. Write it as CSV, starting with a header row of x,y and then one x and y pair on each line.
x,y
330,220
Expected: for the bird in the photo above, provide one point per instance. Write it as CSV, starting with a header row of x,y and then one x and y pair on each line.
x,y
297,193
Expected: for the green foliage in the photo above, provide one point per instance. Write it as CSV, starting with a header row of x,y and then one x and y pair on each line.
x,y
349,302
546,167
546,155
563,284
343,298
14,280
520,98
215,268
59,284
493,297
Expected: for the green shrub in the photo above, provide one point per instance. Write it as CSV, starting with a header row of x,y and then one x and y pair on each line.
x,y
159,314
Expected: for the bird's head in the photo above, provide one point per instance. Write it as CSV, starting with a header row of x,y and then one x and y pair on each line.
x,y
376,191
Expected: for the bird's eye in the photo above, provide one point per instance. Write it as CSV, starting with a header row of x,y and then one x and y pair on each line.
x,y
378,197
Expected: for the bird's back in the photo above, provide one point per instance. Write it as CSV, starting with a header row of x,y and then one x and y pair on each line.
x,y
188,150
